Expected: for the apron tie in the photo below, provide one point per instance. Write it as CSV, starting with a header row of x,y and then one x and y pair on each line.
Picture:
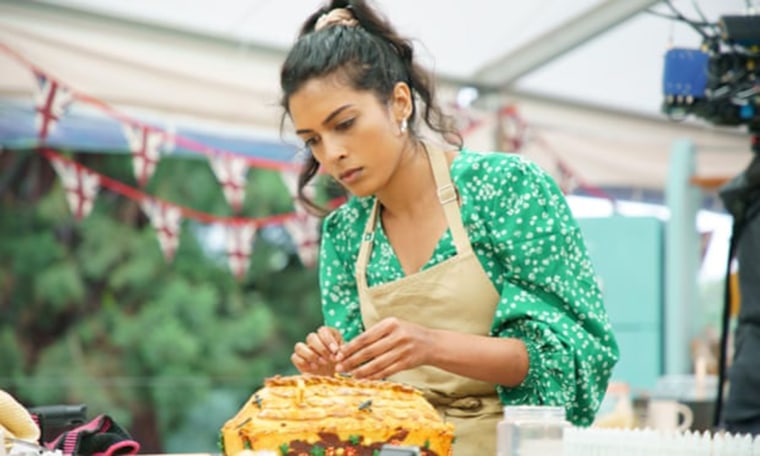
x,y
488,404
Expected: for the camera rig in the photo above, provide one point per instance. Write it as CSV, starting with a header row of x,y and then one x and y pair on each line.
x,y
720,81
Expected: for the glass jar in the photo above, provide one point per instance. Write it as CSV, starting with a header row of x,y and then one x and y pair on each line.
x,y
530,430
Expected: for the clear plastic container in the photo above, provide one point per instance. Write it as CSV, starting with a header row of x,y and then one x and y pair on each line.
x,y
530,430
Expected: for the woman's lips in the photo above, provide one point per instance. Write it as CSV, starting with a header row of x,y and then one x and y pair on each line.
x,y
350,176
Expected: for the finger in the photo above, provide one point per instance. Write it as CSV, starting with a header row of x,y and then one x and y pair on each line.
x,y
309,359
300,364
331,337
378,368
318,346
366,339
364,355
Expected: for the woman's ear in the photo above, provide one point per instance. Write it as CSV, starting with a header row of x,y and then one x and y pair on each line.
x,y
401,102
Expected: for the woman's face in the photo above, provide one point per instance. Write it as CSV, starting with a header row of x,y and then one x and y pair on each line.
x,y
353,136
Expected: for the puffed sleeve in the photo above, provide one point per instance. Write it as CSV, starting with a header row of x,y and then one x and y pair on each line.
x,y
550,298
337,284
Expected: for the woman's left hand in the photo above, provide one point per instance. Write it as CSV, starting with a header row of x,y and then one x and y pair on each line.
x,y
389,347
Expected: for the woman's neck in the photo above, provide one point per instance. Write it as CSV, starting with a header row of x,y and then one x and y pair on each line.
x,y
412,188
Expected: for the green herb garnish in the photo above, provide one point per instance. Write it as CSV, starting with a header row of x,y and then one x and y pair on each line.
x,y
366,405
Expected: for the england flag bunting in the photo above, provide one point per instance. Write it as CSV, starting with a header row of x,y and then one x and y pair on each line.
x,y
239,247
304,231
81,186
290,179
304,227
145,144
567,180
51,101
166,221
231,172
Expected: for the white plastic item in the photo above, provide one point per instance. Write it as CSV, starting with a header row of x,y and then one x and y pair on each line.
x,y
530,431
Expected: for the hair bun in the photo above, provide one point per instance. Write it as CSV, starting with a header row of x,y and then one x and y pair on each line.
x,y
336,16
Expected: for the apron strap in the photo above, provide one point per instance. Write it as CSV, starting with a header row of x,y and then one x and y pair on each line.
x,y
365,248
449,198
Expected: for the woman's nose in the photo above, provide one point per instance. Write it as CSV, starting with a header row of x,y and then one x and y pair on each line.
x,y
333,149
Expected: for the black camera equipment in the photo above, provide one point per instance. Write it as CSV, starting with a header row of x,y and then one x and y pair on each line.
x,y
56,419
720,83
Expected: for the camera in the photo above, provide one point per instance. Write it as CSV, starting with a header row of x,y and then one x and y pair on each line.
x,y
720,81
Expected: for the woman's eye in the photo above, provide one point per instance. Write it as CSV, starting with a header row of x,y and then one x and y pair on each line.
x,y
345,125
310,142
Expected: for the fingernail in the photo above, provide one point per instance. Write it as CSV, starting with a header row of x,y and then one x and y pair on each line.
x,y
339,368
333,347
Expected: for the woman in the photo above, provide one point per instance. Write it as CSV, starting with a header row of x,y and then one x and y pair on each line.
x,y
461,273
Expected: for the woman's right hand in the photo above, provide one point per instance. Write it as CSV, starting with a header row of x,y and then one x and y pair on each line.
x,y
317,355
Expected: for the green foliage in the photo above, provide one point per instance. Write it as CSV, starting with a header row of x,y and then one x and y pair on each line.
x,y
92,313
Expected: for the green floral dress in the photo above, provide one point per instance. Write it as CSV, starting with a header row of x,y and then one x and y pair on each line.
x,y
529,244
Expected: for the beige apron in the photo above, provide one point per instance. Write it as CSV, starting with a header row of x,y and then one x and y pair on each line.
x,y
454,295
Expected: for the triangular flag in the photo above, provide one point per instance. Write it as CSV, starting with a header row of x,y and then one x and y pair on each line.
x,y
239,247
568,181
145,144
304,231
511,129
303,227
80,185
166,220
290,179
231,172
51,101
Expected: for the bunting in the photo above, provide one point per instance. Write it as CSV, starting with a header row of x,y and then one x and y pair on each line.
x,y
145,144
510,129
239,247
81,186
166,221
567,181
304,231
231,172
51,101
304,227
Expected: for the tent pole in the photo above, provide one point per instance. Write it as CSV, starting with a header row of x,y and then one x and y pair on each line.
x,y
681,312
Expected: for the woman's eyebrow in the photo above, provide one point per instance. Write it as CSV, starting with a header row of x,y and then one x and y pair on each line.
x,y
327,119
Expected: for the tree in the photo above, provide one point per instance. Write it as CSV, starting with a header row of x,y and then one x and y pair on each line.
x,y
92,313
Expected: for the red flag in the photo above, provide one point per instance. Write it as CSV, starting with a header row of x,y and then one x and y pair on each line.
x,y
51,101
231,172
239,247
145,144
166,220
80,185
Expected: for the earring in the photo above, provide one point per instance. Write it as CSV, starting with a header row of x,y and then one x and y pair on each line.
x,y
404,125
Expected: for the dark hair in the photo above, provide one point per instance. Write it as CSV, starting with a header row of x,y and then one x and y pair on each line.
x,y
369,56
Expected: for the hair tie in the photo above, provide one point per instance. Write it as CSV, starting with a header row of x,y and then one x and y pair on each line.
x,y
337,16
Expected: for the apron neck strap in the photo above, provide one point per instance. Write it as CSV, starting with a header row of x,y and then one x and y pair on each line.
x,y
449,198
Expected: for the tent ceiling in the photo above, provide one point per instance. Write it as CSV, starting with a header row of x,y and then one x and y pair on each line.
x,y
606,53
213,66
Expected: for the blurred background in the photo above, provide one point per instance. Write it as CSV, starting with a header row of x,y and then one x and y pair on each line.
x,y
154,267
